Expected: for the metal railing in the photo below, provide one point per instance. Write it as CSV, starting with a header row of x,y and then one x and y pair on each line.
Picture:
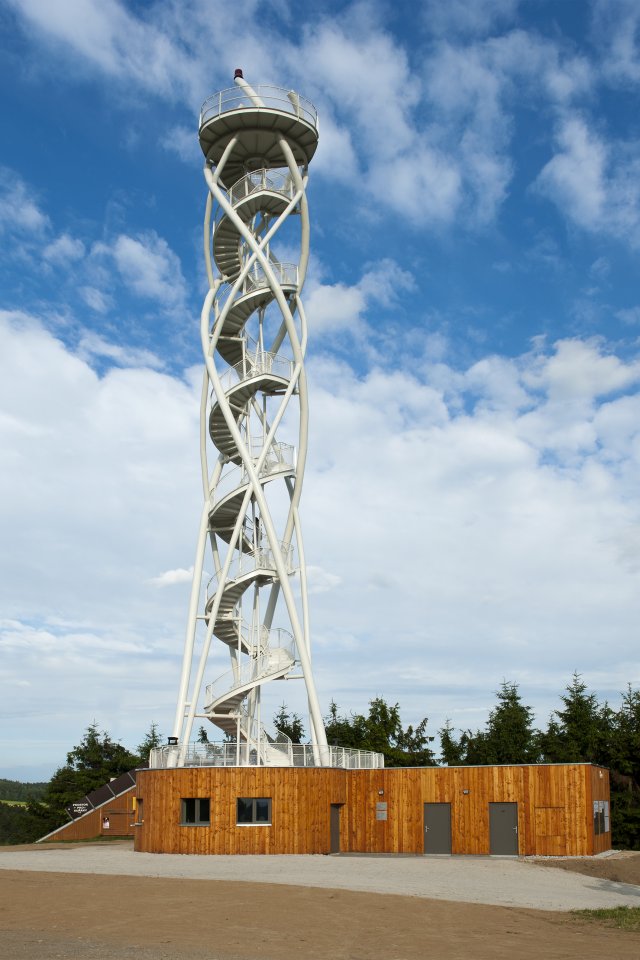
x,y
280,457
272,97
273,660
277,181
258,640
254,365
260,559
286,276
299,755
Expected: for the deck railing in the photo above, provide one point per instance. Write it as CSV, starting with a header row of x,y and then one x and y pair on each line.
x,y
272,97
298,755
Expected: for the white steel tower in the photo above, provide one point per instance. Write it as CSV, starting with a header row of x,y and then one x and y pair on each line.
x,y
257,142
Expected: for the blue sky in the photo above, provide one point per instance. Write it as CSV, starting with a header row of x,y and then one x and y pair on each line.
x,y
471,503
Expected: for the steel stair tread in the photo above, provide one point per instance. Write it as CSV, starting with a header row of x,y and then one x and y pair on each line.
x,y
238,397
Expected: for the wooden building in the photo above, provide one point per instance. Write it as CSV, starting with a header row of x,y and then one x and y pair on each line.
x,y
547,810
109,811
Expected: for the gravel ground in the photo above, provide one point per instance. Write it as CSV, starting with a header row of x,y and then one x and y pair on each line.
x,y
502,882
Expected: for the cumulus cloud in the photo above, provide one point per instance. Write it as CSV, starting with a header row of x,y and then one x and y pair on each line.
x,y
170,577
596,184
106,35
183,142
616,34
93,345
340,307
19,209
148,267
64,250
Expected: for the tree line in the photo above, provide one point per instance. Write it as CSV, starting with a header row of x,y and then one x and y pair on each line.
x,y
580,730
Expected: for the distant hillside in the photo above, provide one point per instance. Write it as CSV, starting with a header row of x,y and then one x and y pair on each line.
x,y
15,790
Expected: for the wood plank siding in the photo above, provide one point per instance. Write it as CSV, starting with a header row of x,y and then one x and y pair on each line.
x,y
119,811
554,813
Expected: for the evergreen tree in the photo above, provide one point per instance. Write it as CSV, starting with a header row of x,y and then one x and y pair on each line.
x,y
381,731
290,724
625,772
152,739
452,752
93,762
509,735
580,731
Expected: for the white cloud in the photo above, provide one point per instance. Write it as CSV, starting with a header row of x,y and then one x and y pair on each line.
x,y
575,176
64,250
148,267
170,577
96,299
183,142
109,37
460,17
93,345
594,183
473,90
630,315
616,33
320,580
582,369
338,307
19,210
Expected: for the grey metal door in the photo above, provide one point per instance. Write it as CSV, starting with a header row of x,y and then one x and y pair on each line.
x,y
335,827
437,828
503,829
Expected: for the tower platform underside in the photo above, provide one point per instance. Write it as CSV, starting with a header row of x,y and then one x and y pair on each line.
x,y
259,132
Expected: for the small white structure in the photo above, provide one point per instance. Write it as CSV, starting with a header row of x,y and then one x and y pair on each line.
x,y
254,422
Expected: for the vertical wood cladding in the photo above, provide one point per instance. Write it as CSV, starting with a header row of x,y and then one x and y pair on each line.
x,y
119,812
300,802
555,809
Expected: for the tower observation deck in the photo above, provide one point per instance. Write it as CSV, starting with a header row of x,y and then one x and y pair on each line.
x,y
253,609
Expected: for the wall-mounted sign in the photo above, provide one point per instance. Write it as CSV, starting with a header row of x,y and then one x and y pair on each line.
x,y
78,809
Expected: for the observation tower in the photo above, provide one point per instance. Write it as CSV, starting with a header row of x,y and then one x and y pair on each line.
x,y
251,604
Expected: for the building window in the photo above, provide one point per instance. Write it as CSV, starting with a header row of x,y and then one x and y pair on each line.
x,y
253,810
195,812
601,817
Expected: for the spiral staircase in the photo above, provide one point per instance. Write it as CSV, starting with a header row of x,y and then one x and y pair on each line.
x,y
257,144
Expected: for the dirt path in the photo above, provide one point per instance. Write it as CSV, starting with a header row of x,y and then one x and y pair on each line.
x,y
88,917
493,881
621,867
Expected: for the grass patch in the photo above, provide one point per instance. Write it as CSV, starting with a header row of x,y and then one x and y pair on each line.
x,y
624,918
14,803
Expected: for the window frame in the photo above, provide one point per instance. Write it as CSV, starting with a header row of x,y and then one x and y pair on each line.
x,y
198,820
254,822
